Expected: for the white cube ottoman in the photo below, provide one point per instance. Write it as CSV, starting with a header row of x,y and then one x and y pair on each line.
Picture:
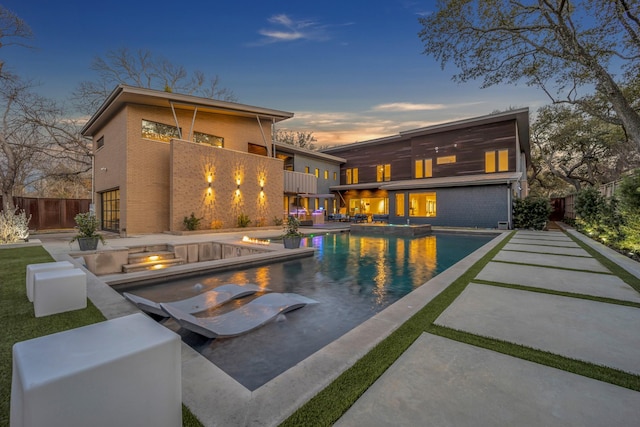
x,y
122,372
58,291
32,269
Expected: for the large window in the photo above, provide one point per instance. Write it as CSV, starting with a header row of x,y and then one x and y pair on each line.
x,y
373,205
383,172
422,204
496,161
159,131
352,176
424,168
110,201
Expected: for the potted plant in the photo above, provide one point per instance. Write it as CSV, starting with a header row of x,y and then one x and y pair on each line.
x,y
292,236
87,237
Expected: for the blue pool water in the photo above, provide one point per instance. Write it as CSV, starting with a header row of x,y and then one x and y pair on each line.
x,y
351,277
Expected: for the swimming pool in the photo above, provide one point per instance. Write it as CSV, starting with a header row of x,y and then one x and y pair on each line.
x,y
351,277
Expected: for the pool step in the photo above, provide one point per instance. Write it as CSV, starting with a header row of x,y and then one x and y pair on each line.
x,y
141,261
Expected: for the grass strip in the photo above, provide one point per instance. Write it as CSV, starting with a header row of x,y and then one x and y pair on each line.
x,y
579,367
20,324
623,274
608,273
330,404
559,293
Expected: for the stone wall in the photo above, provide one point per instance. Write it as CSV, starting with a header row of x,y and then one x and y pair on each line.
x,y
241,183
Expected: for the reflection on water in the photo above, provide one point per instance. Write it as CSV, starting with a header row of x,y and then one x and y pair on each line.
x,y
351,277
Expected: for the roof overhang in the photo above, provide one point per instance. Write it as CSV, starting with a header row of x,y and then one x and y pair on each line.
x,y
124,94
456,181
368,186
317,195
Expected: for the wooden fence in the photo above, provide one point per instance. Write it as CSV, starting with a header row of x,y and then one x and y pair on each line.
x,y
51,214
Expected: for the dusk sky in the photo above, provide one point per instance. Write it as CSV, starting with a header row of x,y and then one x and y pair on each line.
x,y
349,70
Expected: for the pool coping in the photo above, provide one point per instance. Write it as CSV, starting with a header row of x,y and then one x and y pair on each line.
x,y
215,398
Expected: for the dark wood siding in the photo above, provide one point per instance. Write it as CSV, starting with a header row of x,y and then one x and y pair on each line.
x,y
396,153
468,145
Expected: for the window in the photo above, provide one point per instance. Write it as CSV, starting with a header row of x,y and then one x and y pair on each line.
x,y
383,172
424,168
326,174
368,206
204,138
352,176
445,160
400,204
501,157
317,173
100,143
422,204
335,176
110,201
306,169
159,131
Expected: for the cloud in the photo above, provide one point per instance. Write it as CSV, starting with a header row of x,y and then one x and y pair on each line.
x,y
285,29
408,106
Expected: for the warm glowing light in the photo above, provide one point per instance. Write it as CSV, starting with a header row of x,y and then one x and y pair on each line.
x,y
154,258
158,266
210,179
238,182
255,241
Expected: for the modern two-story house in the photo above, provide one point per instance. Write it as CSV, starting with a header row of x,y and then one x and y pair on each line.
x,y
461,174
160,156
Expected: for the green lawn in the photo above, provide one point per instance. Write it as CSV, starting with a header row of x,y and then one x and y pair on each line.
x,y
19,323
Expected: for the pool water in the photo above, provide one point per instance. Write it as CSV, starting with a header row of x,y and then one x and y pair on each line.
x,y
351,277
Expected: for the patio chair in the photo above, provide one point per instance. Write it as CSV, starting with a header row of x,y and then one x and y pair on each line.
x,y
242,320
204,301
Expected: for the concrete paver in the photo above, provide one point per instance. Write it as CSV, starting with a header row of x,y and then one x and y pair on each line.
x,y
560,250
579,282
540,242
439,382
604,334
562,261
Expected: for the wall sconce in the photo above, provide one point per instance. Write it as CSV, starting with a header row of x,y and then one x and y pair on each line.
x,y
238,187
210,179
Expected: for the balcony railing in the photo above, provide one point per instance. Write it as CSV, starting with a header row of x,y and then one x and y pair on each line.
x,y
297,182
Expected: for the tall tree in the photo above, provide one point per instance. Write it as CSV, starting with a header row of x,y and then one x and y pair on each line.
x,y
296,138
567,48
578,149
142,69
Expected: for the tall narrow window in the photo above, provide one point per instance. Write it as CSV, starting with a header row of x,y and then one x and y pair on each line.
x,y
306,169
503,160
400,204
110,213
383,172
490,161
100,143
335,176
428,168
349,176
326,174
317,173
419,173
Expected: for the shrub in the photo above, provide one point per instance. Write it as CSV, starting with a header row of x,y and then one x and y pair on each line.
x,y
243,220
216,224
191,222
531,213
87,224
291,228
14,225
629,195
277,221
598,216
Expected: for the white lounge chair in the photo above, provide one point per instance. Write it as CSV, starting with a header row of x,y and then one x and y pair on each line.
x,y
204,301
242,320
